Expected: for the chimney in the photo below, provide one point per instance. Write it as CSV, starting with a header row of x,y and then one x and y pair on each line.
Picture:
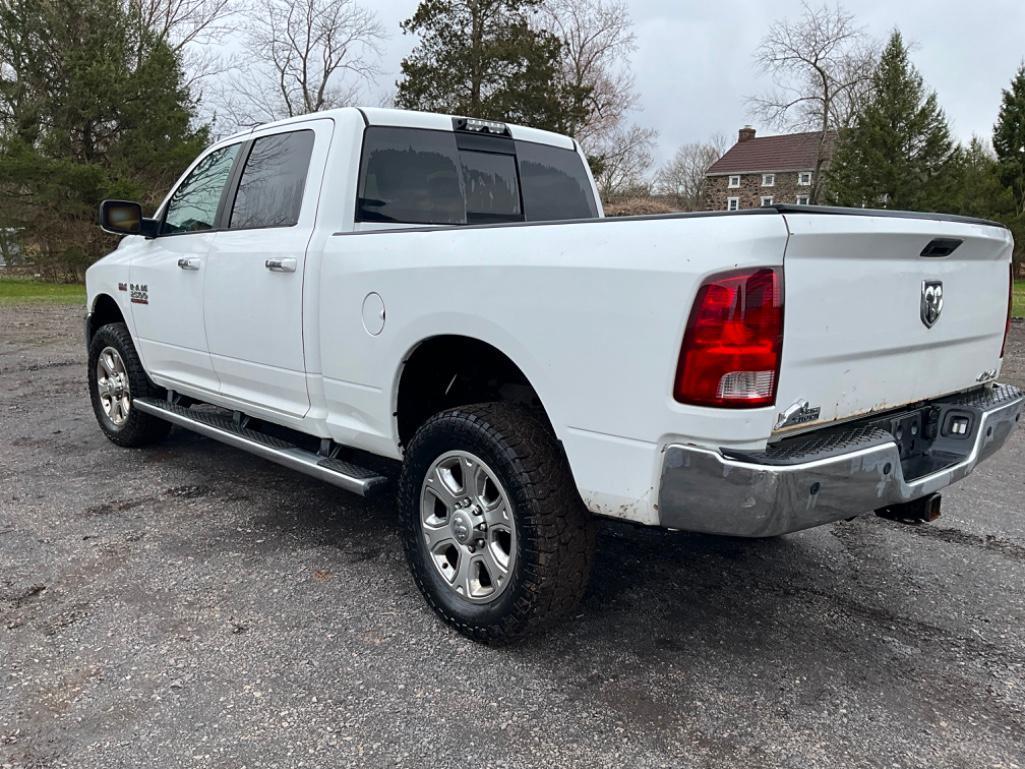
x,y
745,133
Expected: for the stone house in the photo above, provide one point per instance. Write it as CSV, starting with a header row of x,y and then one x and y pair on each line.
x,y
766,170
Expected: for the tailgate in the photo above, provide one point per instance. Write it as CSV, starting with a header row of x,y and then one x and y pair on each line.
x,y
860,297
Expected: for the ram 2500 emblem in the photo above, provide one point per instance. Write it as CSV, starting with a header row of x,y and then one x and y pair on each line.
x,y
139,293
932,301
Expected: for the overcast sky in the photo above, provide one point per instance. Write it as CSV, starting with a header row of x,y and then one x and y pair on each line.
x,y
694,68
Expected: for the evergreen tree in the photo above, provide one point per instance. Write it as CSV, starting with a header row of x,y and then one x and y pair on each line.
x,y
979,191
898,153
483,58
91,106
1009,138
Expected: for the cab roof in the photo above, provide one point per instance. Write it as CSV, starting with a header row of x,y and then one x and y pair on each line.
x,y
410,119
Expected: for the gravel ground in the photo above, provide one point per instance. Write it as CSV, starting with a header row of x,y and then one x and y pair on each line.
x,y
191,606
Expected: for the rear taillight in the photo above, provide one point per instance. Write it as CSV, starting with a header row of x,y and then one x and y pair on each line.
x,y
1010,304
731,350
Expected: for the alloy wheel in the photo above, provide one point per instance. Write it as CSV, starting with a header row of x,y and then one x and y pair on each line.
x,y
112,384
468,527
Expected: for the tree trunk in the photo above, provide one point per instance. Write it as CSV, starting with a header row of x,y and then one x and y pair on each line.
x,y
476,43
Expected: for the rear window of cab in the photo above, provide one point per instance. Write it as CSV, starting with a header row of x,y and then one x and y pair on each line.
x,y
429,177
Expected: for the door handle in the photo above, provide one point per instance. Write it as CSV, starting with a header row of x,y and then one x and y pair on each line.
x,y
189,263
280,265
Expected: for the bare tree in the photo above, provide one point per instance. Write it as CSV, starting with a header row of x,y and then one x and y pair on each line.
x,y
821,67
598,39
303,56
622,160
192,29
683,177
181,23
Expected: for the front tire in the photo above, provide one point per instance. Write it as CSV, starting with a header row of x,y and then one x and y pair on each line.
x,y
116,378
495,533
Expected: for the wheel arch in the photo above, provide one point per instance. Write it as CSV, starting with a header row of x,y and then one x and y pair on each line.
x,y
103,309
448,370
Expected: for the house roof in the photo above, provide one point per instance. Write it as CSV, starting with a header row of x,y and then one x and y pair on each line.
x,y
786,152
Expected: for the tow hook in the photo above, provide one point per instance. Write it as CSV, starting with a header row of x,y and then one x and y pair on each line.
x,y
924,510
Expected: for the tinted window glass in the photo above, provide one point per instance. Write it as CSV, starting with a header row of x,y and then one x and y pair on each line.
x,y
492,191
422,177
410,176
270,192
193,206
555,184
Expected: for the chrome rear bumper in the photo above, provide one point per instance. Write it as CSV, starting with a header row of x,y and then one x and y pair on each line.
x,y
817,479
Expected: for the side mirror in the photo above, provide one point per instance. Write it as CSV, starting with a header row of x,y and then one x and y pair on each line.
x,y
123,217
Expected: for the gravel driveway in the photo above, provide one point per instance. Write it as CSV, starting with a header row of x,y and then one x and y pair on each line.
x,y
191,606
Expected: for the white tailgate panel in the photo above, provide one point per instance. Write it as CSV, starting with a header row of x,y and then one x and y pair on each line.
x,y
854,341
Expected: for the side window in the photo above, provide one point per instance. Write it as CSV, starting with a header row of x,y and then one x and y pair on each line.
x,y
270,191
410,176
555,184
193,206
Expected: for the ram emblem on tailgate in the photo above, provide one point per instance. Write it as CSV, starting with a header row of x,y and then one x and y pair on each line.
x,y
932,301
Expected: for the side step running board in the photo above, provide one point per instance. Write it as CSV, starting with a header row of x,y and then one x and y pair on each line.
x,y
343,474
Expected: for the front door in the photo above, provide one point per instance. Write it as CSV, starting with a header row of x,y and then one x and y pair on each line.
x,y
254,280
168,273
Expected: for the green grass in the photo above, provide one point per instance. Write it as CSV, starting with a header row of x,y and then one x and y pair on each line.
x,y
27,290
1018,303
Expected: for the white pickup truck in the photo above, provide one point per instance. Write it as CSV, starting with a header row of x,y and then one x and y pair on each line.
x,y
369,294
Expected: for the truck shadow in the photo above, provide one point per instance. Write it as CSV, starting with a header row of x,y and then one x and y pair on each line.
x,y
773,627
641,575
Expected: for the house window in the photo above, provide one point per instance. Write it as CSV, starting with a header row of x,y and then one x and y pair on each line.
x,y
804,178
766,200
732,204
768,180
734,182
802,200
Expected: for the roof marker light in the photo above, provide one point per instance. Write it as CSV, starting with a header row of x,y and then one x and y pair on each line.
x,y
474,125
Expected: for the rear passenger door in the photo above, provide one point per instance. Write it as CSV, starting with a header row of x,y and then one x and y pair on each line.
x,y
253,299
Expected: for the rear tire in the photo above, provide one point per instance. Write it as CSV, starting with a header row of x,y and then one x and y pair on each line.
x,y
116,379
511,542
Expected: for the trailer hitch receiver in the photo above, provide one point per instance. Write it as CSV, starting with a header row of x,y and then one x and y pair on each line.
x,y
923,510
